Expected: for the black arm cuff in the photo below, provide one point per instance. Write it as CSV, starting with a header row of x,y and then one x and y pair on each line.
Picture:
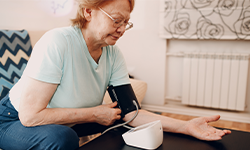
x,y
124,95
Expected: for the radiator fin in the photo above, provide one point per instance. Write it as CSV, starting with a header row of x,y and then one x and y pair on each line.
x,y
215,80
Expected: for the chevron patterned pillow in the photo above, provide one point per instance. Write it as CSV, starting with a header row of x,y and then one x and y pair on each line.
x,y
15,50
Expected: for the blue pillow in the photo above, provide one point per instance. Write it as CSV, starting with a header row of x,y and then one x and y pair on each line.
x,y
15,50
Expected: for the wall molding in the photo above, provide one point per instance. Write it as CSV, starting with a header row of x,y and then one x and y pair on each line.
x,y
193,111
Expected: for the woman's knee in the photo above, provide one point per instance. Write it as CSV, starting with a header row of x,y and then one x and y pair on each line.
x,y
59,137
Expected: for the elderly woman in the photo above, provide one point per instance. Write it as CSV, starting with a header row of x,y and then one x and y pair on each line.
x,y
59,96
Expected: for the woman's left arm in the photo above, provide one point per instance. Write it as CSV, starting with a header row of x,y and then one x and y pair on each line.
x,y
198,127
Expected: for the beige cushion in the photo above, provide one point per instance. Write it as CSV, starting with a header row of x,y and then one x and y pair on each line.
x,y
139,87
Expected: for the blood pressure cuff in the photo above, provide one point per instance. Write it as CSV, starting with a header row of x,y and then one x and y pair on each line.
x,y
124,95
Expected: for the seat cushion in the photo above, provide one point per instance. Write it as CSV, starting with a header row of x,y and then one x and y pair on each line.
x,y
15,50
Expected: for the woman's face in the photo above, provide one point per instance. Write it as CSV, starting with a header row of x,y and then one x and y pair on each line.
x,y
102,26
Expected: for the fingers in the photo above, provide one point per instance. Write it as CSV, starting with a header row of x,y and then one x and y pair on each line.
x,y
118,114
117,110
111,120
215,134
227,131
215,118
221,133
200,128
118,117
107,114
112,105
212,118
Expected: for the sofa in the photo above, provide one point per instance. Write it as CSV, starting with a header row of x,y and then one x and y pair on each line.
x,y
15,50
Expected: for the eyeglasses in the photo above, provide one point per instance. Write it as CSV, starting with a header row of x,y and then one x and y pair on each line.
x,y
118,22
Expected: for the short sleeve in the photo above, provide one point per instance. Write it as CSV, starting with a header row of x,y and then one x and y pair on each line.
x,y
46,61
119,74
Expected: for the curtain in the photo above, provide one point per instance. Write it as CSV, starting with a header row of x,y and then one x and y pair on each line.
x,y
205,19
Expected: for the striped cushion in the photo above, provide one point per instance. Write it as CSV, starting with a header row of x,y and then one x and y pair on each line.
x,y
15,50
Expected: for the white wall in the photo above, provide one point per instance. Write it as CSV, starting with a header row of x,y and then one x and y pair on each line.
x,y
144,50
34,15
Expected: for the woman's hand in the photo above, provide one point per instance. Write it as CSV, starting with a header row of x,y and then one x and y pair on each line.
x,y
200,129
106,114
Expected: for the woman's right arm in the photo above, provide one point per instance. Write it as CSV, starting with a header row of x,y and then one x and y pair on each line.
x,y
33,109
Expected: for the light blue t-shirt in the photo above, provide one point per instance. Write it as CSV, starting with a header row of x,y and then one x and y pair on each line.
x,y
61,56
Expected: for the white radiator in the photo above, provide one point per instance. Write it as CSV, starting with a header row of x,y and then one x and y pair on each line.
x,y
215,80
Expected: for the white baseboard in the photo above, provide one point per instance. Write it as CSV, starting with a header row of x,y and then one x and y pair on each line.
x,y
192,111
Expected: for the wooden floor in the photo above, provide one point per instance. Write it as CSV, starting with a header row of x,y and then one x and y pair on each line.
x,y
219,123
